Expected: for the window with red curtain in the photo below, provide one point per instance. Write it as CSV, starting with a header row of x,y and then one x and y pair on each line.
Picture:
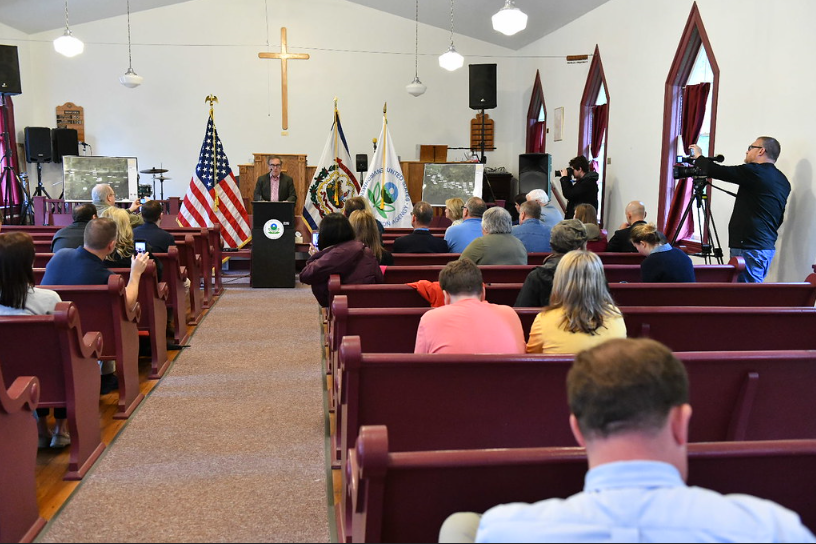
x,y
536,122
593,125
600,120
685,107
10,195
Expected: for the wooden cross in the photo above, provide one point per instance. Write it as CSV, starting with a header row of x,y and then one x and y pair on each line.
x,y
285,56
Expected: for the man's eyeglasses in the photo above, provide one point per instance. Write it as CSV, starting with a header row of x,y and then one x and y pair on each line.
x,y
750,147
275,165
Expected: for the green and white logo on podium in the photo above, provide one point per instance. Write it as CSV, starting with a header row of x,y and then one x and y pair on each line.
x,y
273,229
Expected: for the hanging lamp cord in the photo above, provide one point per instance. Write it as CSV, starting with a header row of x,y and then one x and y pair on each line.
x,y
130,54
416,42
451,23
66,16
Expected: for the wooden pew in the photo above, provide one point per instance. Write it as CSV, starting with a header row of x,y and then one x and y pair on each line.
x,y
441,259
174,275
624,294
192,263
205,256
406,496
53,348
104,308
20,519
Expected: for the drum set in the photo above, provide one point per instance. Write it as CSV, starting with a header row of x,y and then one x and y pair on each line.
x,y
158,175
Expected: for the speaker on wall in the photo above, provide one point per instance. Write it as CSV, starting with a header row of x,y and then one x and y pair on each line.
x,y
483,87
38,144
362,162
66,142
534,172
9,70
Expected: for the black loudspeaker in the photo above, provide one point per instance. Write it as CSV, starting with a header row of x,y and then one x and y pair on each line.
x,y
483,87
66,142
38,144
362,163
534,172
9,70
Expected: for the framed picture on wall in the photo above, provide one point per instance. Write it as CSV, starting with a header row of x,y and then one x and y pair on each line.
x,y
558,133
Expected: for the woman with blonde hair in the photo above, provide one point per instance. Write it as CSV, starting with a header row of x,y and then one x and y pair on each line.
x,y
124,249
453,210
663,263
365,229
581,313
596,239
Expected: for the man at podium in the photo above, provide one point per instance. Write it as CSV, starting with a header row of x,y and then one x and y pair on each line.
x,y
275,186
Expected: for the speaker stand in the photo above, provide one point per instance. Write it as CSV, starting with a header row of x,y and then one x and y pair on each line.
x,y
483,159
40,187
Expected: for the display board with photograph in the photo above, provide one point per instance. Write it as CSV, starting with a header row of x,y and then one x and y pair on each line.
x,y
82,173
444,181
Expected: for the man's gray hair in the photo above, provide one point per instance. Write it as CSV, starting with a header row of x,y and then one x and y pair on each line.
x,y
497,221
539,195
100,192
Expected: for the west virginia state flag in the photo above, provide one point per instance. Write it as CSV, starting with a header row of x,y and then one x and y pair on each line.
x,y
334,180
385,185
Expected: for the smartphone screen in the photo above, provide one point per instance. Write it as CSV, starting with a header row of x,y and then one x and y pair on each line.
x,y
315,236
143,200
140,247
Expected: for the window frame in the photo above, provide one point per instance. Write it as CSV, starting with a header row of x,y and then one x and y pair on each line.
x,y
595,78
537,103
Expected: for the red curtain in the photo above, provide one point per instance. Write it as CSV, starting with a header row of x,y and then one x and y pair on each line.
x,y
536,130
600,120
9,188
695,99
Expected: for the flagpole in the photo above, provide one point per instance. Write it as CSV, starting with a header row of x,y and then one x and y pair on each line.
x,y
385,152
214,99
336,166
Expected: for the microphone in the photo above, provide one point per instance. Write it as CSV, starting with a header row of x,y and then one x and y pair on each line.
x,y
83,144
716,158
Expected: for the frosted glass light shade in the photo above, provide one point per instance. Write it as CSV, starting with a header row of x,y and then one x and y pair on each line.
x,y
451,60
131,79
68,45
416,87
510,20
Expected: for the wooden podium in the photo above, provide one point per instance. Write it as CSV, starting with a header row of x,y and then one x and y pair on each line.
x,y
273,245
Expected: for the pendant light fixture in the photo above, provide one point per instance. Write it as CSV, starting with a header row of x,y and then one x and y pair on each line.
x,y
67,44
451,60
416,87
131,79
510,20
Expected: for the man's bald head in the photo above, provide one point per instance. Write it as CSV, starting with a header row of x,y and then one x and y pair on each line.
x,y
635,211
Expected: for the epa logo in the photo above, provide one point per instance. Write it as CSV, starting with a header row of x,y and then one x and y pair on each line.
x,y
273,229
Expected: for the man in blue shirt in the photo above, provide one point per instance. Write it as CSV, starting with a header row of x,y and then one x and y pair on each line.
x,y
629,407
460,236
532,233
550,214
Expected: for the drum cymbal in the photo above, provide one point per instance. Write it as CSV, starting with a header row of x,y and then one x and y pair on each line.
x,y
162,178
154,171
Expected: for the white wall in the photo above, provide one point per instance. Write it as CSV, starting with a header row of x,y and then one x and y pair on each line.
x,y
163,121
766,88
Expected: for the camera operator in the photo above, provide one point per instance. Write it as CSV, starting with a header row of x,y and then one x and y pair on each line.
x,y
584,190
760,205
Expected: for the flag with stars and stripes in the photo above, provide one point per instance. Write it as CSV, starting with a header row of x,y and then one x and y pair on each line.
x,y
213,197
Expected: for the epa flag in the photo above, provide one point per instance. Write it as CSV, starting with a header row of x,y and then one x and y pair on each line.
x,y
334,180
385,185
213,197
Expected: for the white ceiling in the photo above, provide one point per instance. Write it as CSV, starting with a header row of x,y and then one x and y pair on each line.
x,y
472,17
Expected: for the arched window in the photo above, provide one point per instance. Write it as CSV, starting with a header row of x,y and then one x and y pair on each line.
x,y
690,117
537,119
594,122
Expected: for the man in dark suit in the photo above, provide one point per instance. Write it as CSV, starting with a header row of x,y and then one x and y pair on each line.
x,y
421,240
620,241
159,239
73,235
275,186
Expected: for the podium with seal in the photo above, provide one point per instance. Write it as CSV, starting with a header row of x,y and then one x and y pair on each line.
x,y
273,245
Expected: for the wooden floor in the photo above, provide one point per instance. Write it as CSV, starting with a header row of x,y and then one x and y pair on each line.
x,y
52,490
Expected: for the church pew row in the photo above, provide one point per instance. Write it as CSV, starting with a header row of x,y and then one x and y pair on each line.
x,y
441,259
104,308
406,496
20,519
615,273
624,294
54,349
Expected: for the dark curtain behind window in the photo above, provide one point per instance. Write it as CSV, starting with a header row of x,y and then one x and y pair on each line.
x,y
600,121
536,130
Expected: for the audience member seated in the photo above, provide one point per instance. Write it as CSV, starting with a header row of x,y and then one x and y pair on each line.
x,y
103,198
566,236
72,236
581,313
550,214
497,245
532,233
421,240
467,323
635,215
338,252
663,263
359,203
365,229
159,239
454,208
629,407
519,200
125,245
86,266
460,236
588,215
18,296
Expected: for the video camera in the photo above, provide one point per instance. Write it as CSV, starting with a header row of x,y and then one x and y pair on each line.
x,y
684,168
568,172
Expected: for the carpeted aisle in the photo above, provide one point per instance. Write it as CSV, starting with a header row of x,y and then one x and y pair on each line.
x,y
229,447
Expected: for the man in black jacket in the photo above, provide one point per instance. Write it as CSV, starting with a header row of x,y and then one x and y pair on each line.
x,y
760,206
421,240
620,241
275,186
584,190
73,235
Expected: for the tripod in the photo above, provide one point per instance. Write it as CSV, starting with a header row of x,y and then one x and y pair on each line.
x,y
705,219
9,176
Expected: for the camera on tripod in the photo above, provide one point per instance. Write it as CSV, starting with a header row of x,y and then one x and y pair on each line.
x,y
684,168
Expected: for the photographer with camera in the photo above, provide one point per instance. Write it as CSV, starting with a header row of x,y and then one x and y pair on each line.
x,y
760,206
583,190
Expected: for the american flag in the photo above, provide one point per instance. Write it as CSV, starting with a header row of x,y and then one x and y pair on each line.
x,y
210,201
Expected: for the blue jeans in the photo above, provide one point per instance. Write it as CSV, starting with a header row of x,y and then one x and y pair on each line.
x,y
757,263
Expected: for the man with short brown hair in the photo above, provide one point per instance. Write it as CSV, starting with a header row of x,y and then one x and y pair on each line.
x,y
421,240
275,186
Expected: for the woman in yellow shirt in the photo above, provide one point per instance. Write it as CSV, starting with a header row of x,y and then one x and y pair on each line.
x,y
581,313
